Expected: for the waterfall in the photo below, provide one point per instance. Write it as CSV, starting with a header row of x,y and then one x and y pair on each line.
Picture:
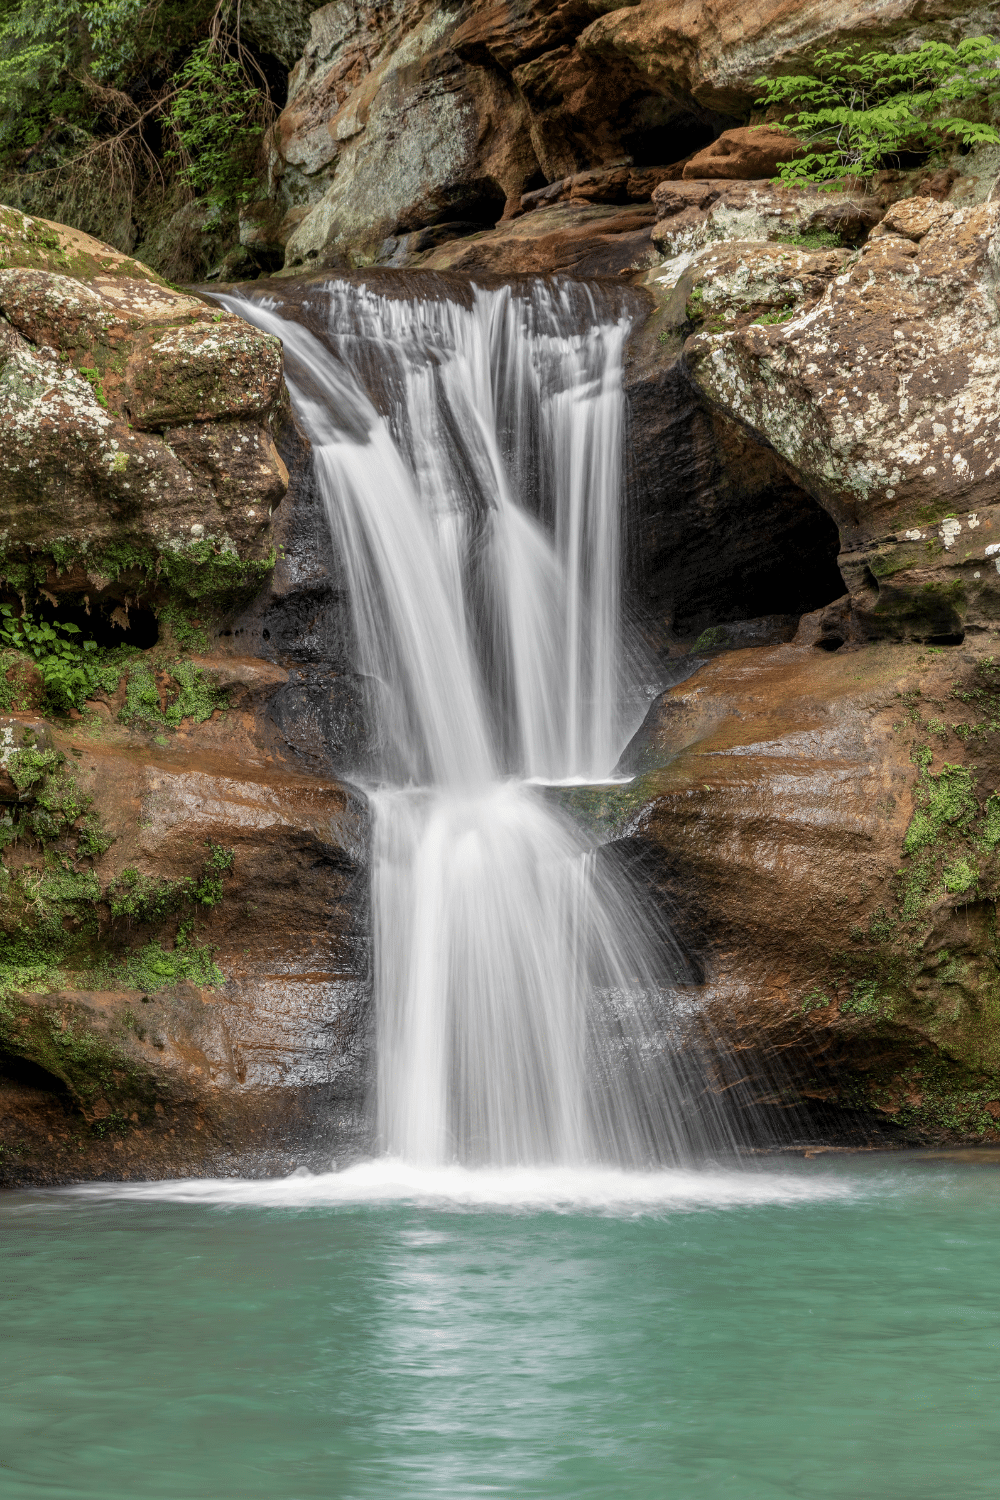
x,y
470,456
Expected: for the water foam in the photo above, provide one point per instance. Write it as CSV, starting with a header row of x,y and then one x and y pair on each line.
x,y
596,1190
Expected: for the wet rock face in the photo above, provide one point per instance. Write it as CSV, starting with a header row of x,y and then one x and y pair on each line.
x,y
137,426
193,996
880,398
822,829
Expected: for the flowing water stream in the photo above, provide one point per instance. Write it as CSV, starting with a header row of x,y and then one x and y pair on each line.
x,y
471,461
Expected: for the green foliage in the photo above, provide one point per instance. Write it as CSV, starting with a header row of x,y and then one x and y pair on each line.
x,y
960,876
53,800
777,317
153,967
815,239
94,377
41,41
865,1001
143,898
105,105
74,669
192,695
61,658
150,898
215,116
944,801
858,110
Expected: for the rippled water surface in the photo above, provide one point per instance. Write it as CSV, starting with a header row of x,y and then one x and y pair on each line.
x,y
810,1328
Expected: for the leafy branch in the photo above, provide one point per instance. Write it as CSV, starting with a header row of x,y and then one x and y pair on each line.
x,y
857,112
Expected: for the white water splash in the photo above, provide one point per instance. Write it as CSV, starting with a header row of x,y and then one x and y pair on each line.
x,y
554,1189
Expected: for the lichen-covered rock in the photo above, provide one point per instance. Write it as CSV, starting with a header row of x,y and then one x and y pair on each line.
x,y
692,214
735,283
137,426
881,398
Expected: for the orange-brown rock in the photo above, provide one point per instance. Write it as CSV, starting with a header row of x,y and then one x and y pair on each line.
x,y
253,1056
825,840
747,153
403,118
574,237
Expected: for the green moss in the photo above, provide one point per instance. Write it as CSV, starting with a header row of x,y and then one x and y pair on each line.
x,y
150,898
52,802
64,1041
814,239
607,811
710,639
866,1000
930,1098
960,876
154,967
947,803
767,319
220,577
191,695
143,898
186,627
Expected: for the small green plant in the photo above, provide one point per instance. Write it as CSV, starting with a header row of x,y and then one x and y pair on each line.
x,y
815,999
864,1000
61,658
94,377
778,317
150,898
857,112
816,239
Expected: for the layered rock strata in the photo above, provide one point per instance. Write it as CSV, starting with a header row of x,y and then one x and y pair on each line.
x,y
822,829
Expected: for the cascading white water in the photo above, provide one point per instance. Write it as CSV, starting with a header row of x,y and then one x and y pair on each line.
x,y
471,461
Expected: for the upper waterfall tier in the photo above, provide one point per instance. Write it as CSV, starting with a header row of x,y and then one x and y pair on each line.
x,y
471,457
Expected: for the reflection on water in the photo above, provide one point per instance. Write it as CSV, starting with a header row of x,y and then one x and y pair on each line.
x,y
813,1329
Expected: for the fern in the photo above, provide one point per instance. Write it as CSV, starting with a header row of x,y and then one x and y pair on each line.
x,y
857,111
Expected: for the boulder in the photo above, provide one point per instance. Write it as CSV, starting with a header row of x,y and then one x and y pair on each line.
x,y
388,131
746,153
879,398
137,427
